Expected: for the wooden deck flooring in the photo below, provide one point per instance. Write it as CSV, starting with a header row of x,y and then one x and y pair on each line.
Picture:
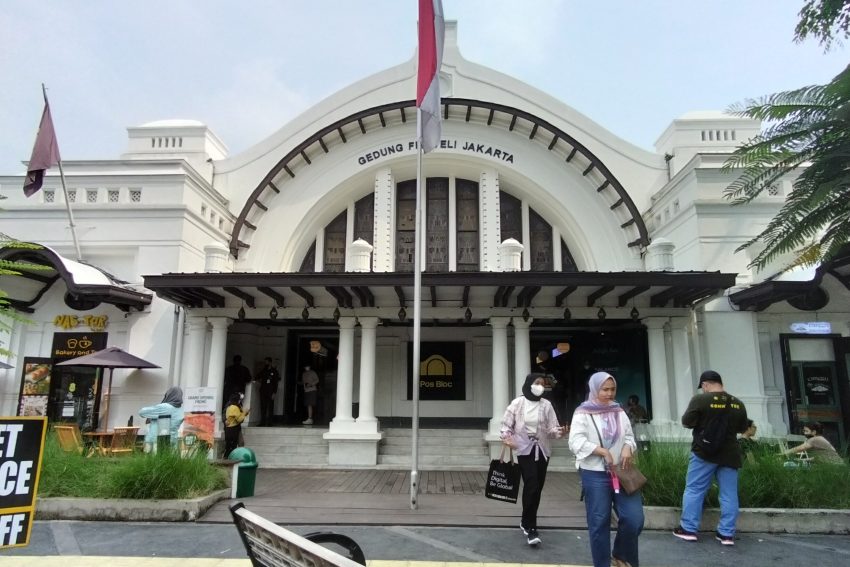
x,y
382,497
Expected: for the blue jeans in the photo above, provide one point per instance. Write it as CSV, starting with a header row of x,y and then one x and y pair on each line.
x,y
598,498
700,474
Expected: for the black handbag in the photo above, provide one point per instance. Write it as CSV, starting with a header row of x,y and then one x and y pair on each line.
x,y
503,479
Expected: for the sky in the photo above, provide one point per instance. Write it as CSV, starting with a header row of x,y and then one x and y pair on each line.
x,y
247,67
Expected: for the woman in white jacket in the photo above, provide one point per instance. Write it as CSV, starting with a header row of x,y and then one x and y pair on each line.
x,y
528,424
601,438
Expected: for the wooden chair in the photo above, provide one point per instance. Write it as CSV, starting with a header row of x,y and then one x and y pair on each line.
x,y
802,458
70,439
123,442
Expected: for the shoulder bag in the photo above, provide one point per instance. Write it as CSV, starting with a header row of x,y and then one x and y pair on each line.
x,y
631,479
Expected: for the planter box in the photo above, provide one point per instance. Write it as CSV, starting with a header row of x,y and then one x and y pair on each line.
x,y
125,509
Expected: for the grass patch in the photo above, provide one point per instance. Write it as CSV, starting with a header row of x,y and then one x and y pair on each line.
x,y
763,483
165,475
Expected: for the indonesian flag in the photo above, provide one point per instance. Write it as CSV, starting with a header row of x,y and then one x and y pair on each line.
x,y
431,33
45,153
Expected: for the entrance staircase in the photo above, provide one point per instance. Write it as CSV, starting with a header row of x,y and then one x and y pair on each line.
x,y
439,449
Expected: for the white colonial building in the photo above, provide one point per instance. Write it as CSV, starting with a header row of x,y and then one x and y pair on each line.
x,y
550,245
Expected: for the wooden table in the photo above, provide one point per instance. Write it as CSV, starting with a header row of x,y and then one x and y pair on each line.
x,y
98,439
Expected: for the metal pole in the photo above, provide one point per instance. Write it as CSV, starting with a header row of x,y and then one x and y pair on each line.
x,y
417,319
65,192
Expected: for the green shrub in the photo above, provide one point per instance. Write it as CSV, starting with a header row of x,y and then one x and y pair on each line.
x,y
763,482
165,475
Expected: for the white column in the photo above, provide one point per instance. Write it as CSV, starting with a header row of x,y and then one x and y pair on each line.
x,y
218,351
500,371
345,375
194,359
522,353
684,381
658,370
367,370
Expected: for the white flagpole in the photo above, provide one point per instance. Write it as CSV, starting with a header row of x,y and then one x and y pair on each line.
x,y
417,318
71,223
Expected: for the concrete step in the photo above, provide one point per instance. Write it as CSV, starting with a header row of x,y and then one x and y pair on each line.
x,y
434,450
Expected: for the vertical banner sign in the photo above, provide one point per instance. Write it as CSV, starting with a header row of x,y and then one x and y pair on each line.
x,y
21,450
199,423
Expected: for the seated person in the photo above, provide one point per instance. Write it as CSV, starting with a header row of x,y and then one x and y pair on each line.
x,y
816,446
636,412
171,406
746,443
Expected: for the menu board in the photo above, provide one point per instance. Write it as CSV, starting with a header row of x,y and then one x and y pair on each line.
x,y
35,387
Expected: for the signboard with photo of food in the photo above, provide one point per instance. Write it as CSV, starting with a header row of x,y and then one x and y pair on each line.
x,y
35,387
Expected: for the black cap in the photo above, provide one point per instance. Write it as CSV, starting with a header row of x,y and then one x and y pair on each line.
x,y
709,376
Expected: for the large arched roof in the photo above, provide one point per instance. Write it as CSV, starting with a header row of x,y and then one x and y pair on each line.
x,y
514,120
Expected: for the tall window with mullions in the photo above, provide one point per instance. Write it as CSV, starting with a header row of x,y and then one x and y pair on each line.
x,y
466,194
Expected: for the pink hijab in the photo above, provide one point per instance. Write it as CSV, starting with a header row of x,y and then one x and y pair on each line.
x,y
609,412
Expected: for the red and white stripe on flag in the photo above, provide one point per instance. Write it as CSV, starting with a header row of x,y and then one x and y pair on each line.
x,y
431,34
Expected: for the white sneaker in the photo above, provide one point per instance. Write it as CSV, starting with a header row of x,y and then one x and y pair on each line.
x,y
307,421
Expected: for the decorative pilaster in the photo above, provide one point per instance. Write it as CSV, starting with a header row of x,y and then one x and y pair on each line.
x,y
218,352
522,352
193,373
499,326
367,372
489,215
383,235
658,370
683,379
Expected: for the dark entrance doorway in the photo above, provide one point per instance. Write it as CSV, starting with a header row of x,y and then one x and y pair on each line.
x,y
571,356
318,351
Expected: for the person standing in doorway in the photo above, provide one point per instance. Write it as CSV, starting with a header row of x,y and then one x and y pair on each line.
x,y
269,379
310,381
601,438
527,426
236,378
705,413
233,418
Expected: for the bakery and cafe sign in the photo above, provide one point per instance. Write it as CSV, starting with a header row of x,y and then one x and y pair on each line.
x,y
93,322
21,450
467,146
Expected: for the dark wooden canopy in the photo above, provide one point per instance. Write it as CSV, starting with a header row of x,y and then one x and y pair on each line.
x,y
451,289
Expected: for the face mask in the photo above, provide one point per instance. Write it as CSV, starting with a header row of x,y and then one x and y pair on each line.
x,y
537,389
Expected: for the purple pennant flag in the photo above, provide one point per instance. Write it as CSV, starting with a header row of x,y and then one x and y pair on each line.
x,y
45,153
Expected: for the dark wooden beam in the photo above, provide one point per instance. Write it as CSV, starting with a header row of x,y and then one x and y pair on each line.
x,y
617,203
468,112
304,155
533,131
324,146
623,300
238,293
214,299
490,117
433,289
572,155
274,187
403,116
279,300
589,169
591,298
603,186
553,142
362,127
341,135
661,298
562,295
304,294
399,291
628,223
250,225
289,171
383,121
261,206
465,300
513,123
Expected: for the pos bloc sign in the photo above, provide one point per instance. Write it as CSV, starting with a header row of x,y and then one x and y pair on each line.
x,y
21,450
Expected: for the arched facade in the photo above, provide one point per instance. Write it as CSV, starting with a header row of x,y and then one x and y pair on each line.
x,y
551,245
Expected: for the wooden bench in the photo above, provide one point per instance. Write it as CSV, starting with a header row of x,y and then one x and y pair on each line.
x,y
269,545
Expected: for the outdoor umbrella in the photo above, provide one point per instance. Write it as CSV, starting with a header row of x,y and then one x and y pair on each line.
x,y
4,366
111,358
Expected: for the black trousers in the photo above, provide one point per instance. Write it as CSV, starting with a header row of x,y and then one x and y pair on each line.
x,y
231,439
533,478
266,407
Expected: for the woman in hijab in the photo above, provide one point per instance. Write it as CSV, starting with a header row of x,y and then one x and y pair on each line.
x,y
601,438
171,406
528,424
233,417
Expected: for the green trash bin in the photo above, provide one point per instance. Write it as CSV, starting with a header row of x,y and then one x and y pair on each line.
x,y
246,477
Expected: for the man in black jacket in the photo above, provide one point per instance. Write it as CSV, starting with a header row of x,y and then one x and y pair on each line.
x,y
716,418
